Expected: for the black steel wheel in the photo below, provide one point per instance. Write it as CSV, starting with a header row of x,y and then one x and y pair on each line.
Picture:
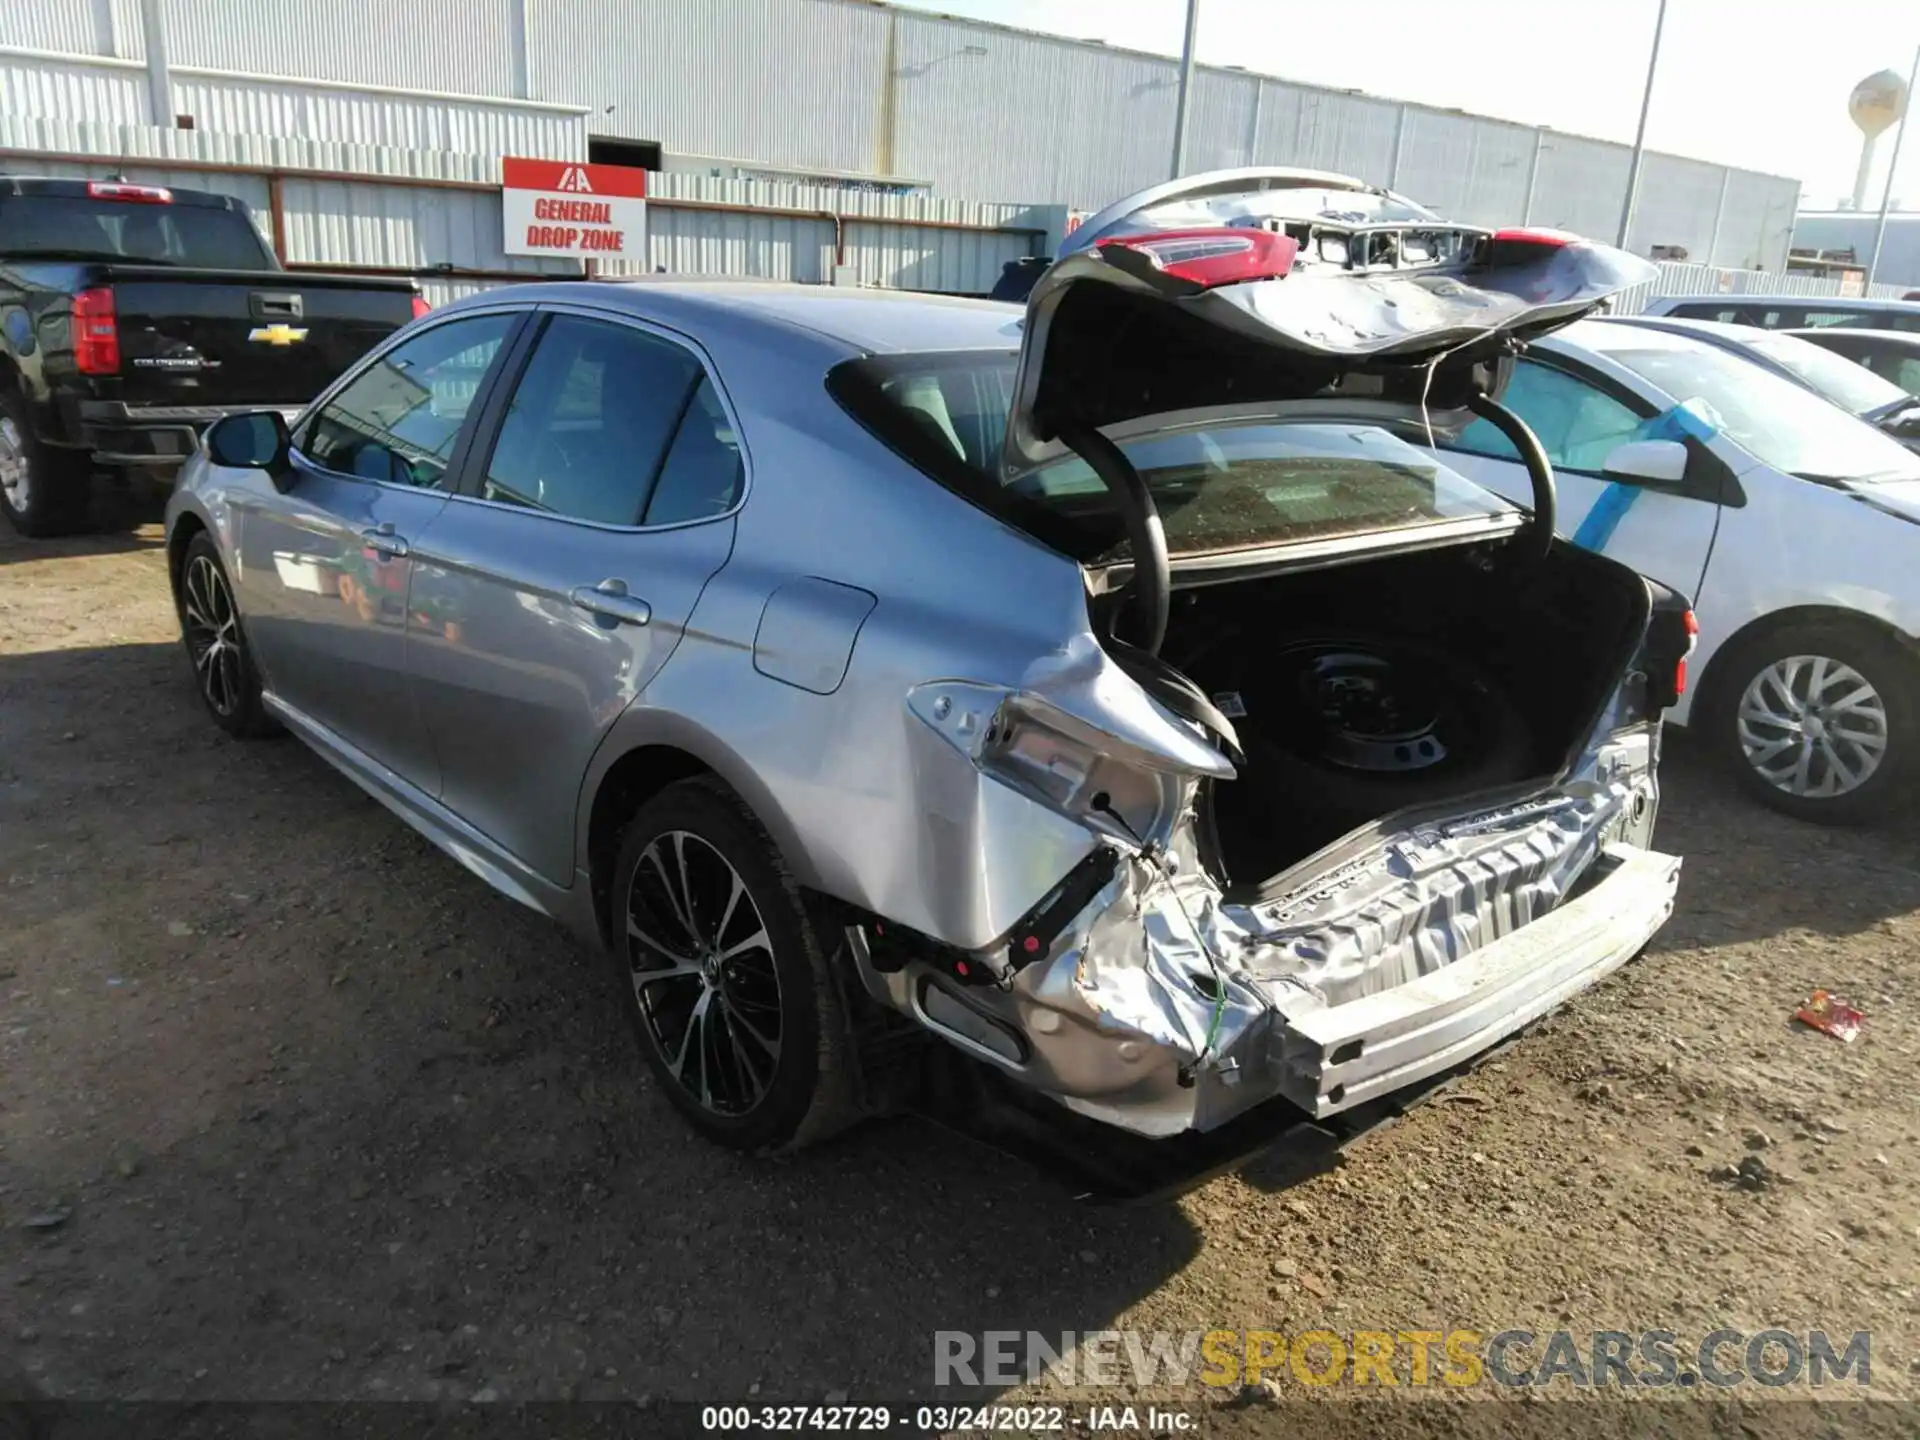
x,y
728,987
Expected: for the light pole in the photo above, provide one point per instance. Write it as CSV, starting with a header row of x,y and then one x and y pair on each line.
x,y
1186,91
1640,135
1886,197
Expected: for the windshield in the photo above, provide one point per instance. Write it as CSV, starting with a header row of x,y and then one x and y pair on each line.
x,y
72,226
1219,485
1771,418
1843,381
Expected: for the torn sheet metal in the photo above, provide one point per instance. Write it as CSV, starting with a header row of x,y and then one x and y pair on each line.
x,y
1160,1008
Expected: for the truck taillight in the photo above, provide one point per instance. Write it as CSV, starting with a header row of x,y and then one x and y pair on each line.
x,y
96,333
135,194
420,306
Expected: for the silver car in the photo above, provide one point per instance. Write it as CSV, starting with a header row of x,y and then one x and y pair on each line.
x,y
1106,692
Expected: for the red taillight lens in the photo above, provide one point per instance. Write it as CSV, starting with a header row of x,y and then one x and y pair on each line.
x,y
420,306
136,194
1536,235
96,334
1692,627
1216,257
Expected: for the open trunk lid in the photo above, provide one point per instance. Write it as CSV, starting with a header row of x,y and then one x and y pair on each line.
x,y
1258,288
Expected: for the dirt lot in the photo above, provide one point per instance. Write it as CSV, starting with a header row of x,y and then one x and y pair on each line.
x,y
293,1108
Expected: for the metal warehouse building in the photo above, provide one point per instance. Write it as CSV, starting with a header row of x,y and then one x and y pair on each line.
x,y
1854,230
806,139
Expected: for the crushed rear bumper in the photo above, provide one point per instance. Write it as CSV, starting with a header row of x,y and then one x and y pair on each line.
x,y
1162,1008
1342,1055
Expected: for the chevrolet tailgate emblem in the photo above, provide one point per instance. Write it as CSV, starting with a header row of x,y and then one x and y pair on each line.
x,y
276,335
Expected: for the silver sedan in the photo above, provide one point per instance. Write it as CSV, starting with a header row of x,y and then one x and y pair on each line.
x,y
1105,693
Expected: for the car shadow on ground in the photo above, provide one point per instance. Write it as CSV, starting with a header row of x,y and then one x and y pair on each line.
x,y
291,1106
1812,877
320,1115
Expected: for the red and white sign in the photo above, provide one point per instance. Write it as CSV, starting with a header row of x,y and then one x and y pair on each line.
x,y
590,212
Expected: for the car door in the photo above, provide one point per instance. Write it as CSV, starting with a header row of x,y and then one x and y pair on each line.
x,y
1664,531
597,500
324,569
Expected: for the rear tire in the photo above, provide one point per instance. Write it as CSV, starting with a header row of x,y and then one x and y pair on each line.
x,y
727,984
1819,720
44,491
216,643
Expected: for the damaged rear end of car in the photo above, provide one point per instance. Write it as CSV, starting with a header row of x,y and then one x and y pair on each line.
x,y
1365,760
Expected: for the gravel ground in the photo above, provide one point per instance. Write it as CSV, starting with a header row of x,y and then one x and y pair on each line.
x,y
291,1107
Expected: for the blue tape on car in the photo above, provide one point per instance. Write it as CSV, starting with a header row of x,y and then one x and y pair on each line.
x,y
1605,516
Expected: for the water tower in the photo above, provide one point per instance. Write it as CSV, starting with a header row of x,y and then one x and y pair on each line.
x,y
1876,105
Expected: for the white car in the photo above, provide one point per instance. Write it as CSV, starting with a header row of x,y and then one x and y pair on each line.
x,y
1795,527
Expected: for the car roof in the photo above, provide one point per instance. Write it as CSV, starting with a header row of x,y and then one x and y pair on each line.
x,y
1908,338
1814,302
860,321
1717,332
1607,336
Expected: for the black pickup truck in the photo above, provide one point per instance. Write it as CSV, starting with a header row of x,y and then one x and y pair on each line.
x,y
133,316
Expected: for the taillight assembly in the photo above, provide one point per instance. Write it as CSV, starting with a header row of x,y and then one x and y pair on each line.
x,y
1671,638
1215,257
1692,626
420,306
133,194
96,333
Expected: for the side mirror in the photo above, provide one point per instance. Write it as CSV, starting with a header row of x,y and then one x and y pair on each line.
x,y
1663,462
257,440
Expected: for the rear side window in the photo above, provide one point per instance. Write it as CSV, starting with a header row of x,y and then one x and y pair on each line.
x,y
616,426
74,226
702,473
397,420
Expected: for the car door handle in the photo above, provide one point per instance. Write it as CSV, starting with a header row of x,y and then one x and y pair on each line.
x,y
610,600
383,542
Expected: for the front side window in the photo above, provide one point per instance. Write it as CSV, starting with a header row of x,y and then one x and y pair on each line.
x,y
397,421
1577,425
593,421
1812,319
1841,380
1901,370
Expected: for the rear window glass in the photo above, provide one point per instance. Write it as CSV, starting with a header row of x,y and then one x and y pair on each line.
x,y
76,227
1219,486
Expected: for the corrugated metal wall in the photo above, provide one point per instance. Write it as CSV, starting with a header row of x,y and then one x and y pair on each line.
x,y
66,94
789,233
243,106
976,110
81,27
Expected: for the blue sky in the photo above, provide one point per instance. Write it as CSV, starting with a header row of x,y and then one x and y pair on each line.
x,y
1759,83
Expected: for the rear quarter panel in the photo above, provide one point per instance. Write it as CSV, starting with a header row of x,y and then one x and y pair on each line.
x,y
866,802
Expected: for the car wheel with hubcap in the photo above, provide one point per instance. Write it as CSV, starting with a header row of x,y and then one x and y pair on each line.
x,y
43,491
727,982
1820,720
216,643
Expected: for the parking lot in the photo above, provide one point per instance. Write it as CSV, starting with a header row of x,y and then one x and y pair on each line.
x,y
293,1107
